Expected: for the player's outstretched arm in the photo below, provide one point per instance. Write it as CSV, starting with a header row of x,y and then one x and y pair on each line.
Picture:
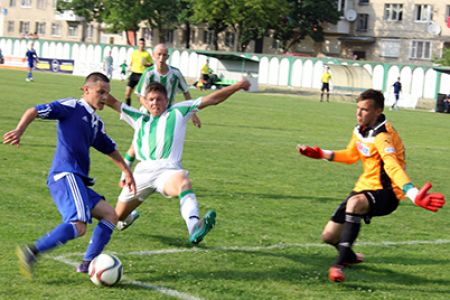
x,y
13,137
315,152
129,179
429,201
223,94
115,104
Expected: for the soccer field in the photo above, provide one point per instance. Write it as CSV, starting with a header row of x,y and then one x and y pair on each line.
x,y
271,206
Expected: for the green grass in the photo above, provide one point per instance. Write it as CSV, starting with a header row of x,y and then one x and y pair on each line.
x,y
243,163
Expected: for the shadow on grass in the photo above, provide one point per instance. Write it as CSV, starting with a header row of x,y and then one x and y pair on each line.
x,y
308,268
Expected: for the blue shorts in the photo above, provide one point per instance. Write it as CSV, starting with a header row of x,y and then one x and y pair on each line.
x,y
75,201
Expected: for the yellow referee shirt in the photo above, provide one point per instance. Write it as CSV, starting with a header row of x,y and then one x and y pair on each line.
x,y
138,61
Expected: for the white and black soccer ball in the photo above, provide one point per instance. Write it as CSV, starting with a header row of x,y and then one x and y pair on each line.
x,y
106,270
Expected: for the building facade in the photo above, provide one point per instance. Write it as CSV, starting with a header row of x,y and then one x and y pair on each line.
x,y
404,31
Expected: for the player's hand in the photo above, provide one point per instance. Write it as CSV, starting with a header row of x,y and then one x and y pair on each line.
x,y
129,181
429,201
196,121
245,84
121,183
313,152
12,137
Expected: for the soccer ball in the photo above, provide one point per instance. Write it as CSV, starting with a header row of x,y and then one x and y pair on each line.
x,y
105,269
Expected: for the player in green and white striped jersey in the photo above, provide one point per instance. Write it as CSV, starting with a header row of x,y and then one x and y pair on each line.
x,y
158,141
173,80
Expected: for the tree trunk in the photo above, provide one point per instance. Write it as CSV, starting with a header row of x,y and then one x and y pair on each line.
x,y
216,40
83,31
187,32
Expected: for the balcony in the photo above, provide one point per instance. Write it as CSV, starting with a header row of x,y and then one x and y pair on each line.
x,y
341,27
68,16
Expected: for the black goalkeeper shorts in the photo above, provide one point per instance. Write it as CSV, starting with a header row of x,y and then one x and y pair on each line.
x,y
381,203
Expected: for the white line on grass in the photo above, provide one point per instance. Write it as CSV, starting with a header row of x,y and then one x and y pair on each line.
x,y
161,289
284,246
183,296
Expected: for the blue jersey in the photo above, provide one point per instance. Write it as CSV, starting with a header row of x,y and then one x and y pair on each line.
x,y
78,128
397,87
31,56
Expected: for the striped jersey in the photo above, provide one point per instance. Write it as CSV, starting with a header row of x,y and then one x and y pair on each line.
x,y
382,154
78,128
172,80
160,138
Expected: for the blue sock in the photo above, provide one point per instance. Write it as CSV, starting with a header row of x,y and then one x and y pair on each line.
x,y
60,235
100,237
29,75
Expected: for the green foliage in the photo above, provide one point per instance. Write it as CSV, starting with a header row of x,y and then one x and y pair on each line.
x,y
305,18
90,10
445,59
272,205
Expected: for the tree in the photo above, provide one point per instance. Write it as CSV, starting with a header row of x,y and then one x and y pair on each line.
x,y
213,13
161,15
184,18
89,10
124,15
252,18
305,18
445,59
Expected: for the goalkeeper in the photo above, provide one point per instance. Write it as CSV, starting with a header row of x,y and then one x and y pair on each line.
x,y
378,190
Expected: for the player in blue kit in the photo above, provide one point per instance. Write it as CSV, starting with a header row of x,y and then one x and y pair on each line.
x,y
78,129
32,59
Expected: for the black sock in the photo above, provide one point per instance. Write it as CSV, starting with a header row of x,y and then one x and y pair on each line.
x,y
128,101
349,234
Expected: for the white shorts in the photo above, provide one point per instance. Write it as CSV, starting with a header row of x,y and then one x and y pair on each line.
x,y
150,176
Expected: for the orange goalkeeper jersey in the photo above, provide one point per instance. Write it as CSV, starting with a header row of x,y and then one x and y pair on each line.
x,y
382,154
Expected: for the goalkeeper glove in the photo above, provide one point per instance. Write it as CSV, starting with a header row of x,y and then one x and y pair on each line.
x,y
431,201
315,152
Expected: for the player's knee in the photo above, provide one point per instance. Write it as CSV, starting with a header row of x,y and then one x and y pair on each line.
x,y
186,183
81,228
111,216
357,204
329,237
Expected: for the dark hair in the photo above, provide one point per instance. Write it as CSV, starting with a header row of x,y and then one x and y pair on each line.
x,y
156,87
142,40
376,96
95,77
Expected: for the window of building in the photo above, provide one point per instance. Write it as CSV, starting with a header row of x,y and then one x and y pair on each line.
x,y
421,50
275,44
10,26
340,4
229,39
24,27
362,22
40,28
25,3
12,3
359,55
208,37
41,4
168,36
448,11
363,2
72,30
89,31
390,48
56,29
393,12
423,13
192,35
